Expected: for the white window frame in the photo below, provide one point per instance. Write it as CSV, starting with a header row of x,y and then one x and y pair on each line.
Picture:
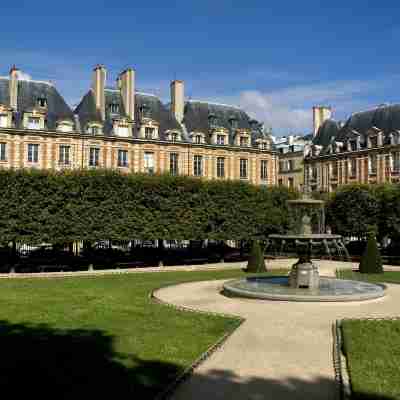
x,y
94,157
174,163
3,151
33,153
31,125
149,162
264,170
220,167
64,153
197,165
244,168
122,158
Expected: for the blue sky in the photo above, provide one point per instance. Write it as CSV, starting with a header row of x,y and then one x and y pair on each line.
x,y
275,59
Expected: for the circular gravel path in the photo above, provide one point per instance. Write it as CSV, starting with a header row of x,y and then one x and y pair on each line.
x,y
282,351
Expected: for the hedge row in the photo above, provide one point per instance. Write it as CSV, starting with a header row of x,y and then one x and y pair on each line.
x,y
354,209
55,207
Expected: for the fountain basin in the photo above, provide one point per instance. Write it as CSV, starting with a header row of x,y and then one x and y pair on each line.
x,y
329,290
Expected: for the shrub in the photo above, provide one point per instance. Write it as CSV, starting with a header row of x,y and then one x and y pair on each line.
x,y
256,261
371,261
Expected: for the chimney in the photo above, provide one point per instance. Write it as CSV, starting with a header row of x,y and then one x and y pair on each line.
x,y
320,115
13,87
178,99
98,86
126,85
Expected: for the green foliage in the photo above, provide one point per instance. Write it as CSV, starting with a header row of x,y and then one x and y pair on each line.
x,y
256,263
371,260
352,210
58,207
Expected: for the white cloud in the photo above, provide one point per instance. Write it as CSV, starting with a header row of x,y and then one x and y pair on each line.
x,y
290,109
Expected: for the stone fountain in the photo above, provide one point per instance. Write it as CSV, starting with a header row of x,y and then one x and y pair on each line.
x,y
304,282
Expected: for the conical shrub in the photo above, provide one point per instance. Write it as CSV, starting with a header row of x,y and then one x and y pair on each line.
x,y
371,260
256,263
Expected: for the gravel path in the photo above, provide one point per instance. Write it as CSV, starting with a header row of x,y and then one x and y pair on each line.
x,y
282,351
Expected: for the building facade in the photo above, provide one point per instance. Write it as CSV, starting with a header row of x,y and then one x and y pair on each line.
x,y
291,156
365,149
121,128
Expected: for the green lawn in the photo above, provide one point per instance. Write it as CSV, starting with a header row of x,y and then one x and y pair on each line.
x,y
388,277
373,356
373,349
88,337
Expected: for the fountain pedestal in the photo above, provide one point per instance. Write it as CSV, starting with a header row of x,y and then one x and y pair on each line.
x,y
304,275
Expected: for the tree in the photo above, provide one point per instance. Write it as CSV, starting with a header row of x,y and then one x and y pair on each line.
x,y
371,261
256,263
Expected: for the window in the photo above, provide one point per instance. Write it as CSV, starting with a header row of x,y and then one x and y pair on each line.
x,y
396,161
33,153
42,102
114,108
244,141
353,145
264,170
373,141
197,139
243,168
220,167
3,152
280,182
234,123
198,165
63,158
123,131
221,139
353,167
291,183
33,122
290,165
93,130
64,127
334,169
281,166
3,121
264,145
372,162
149,162
174,137
173,163
94,155
148,133
122,158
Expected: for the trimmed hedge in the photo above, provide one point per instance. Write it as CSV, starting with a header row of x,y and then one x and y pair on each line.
x,y
371,260
59,207
256,263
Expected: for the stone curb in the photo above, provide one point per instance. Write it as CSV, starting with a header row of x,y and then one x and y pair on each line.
x,y
188,372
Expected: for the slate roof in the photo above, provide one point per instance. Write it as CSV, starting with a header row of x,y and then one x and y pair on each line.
x,y
197,113
28,94
386,118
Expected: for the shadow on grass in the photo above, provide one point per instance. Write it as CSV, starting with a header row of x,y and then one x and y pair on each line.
x,y
37,361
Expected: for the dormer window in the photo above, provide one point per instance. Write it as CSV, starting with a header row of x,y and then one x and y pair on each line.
x,y
197,139
149,133
373,141
33,123
114,108
42,102
3,121
221,139
94,129
65,126
244,141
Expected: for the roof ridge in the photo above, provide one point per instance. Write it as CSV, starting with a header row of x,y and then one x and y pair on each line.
x,y
213,103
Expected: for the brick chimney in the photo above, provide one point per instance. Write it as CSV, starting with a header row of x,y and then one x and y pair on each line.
x,y
320,115
13,87
98,86
178,99
126,85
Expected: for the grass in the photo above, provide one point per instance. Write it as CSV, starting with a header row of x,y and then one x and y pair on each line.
x,y
373,357
388,276
99,336
372,348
